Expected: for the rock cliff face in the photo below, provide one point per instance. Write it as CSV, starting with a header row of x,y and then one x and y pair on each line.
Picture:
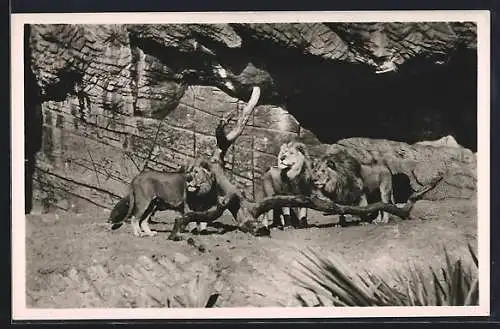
x,y
105,101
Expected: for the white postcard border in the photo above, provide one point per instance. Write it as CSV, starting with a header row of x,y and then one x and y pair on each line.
x,y
21,312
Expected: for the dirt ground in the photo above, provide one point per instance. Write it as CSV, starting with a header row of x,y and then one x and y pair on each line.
x,y
66,252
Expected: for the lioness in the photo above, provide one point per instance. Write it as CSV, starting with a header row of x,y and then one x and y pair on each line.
x,y
292,176
343,179
194,189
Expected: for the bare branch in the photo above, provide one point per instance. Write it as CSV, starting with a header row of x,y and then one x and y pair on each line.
x,y
326,206
248,212
209,215
197,216
224,141
330,208
234,200
243,119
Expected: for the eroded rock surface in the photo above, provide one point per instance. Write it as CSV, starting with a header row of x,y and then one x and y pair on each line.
x,y
420,163
115,99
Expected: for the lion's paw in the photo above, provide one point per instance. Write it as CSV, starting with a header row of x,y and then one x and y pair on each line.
x,y
263,231
381,221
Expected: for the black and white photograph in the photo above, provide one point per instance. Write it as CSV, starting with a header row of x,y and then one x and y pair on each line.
x,y
253,165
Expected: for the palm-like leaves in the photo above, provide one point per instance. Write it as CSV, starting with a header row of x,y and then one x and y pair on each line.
x,y
330,279
197,295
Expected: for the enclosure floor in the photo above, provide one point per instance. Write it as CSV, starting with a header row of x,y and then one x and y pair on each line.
x,y
254,271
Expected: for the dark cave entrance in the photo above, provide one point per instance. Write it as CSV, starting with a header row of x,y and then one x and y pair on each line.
x,y
421,101
414,104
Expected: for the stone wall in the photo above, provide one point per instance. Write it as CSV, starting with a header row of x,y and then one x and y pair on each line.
x,y
94,155
116,99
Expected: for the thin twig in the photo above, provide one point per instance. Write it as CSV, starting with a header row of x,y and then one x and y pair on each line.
x,y
93,164
131,159
152,146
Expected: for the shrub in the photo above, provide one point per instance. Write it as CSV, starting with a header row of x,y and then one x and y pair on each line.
x,y
333,282
197,295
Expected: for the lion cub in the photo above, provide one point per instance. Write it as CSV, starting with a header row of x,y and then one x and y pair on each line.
x,y
291,176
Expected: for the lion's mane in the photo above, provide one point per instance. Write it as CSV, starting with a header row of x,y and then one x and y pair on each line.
x,y
200,176
340,174
301,181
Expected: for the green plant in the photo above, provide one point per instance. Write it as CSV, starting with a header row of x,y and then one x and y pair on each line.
x,y
333,282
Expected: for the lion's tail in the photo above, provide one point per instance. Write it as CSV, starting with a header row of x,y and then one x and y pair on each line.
x,y
122,210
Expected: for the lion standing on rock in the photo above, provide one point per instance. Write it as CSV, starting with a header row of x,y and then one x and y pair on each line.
x,y
291,176
344,180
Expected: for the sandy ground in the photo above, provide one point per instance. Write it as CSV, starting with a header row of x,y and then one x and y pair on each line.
x,y
248,270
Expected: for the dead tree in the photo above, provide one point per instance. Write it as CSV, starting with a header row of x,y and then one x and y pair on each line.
x,y
246,213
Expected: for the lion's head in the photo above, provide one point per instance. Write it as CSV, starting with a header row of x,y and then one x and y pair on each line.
x,y
337,178
294,159
199,178
324,175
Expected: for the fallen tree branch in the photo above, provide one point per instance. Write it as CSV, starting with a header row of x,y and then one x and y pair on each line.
x,y
254,209
209,215
266,204
402,212
200,216
330,208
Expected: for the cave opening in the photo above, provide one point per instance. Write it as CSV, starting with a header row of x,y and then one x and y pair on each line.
x,y
422,100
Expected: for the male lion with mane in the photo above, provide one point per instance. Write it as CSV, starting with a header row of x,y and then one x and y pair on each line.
x,y
292,176
150,191
344,180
